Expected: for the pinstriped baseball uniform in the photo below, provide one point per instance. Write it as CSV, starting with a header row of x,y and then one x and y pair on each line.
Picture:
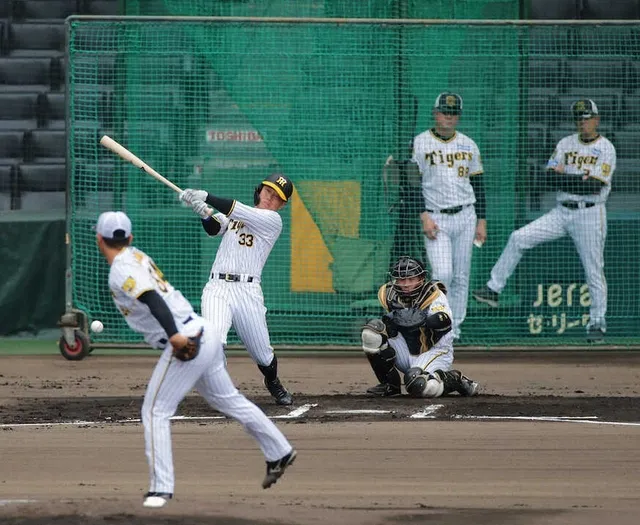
x,y
582,217
133,273
248,236
446,166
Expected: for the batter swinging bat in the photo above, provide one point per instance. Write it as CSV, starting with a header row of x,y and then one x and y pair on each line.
x,y
123,152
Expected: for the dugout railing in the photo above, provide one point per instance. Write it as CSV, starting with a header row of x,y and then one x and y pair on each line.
x,y
220,102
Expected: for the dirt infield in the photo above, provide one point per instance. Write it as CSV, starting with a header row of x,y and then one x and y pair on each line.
x,y
552,439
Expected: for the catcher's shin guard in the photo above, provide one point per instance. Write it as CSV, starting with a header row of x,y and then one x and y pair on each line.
x,y
384,367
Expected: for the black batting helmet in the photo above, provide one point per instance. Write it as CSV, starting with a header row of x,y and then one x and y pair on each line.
x,y
280,183
405,268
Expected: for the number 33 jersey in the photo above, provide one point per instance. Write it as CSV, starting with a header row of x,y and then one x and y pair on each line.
x,y
133,273
446,166
248,236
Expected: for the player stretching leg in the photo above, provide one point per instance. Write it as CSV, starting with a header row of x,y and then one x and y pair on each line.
x,y
233,294
192,357
454,201
580,168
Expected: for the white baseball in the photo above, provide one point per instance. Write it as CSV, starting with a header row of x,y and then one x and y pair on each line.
x,y
97,326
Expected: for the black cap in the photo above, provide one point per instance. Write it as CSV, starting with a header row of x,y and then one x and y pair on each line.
x,y
448,103
584,108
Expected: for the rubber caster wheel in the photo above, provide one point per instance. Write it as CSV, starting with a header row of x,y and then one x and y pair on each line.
x,y
79,352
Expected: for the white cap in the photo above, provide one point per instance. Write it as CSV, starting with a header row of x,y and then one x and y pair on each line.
x,y
114,225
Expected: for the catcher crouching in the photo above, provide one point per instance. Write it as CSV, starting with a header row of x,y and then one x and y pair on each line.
x,y
413,337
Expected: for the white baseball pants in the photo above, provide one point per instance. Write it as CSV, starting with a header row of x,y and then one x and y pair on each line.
x,y
173,379
449,256
588,229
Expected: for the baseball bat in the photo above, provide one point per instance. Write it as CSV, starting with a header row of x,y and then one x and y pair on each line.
x,y
124,153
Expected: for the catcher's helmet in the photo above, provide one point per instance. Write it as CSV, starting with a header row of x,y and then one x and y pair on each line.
x,y
280,183
405,268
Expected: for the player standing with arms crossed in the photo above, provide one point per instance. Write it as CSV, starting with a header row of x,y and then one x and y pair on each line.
x,y
233,294
192,357
454,200
580,169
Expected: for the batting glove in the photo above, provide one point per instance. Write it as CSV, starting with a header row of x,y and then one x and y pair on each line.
x,y
201,208
189,195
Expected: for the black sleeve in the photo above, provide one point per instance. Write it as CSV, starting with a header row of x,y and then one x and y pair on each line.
x,y
211,226
477,183
160,311
222,205
438,321
574,184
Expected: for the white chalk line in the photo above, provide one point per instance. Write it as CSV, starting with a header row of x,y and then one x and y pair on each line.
x,y
429,412
5,502
554,419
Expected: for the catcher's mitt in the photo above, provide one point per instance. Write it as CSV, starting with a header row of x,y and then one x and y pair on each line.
x,y
191,349
408,317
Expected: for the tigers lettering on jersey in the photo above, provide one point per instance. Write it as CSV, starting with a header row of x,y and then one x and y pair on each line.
x,y
437,157
573,158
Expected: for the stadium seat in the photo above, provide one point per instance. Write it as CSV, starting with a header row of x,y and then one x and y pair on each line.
x,y
554,10
627,143
52,110
101,38
25,74
45,146
99,7
18,111
626,177
7,187
607,41
608,10
634,77
630,114
11,146
3,37
32,39
97,69
42,186
537,142
543,109
546,76
44,9
597,75
609,105
552,41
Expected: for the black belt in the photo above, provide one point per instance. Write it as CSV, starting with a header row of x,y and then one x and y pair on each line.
x,y
163,341
449,211
231,277
575,205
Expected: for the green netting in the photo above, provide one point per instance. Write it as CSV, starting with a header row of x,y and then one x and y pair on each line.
x,y
219,104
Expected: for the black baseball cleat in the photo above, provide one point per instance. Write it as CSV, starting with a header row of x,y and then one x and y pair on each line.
x,y
156,500
278,392
384,390
487,296
595,336
275,469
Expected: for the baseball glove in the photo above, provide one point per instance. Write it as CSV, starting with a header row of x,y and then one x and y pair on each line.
x,y
191,349
411,318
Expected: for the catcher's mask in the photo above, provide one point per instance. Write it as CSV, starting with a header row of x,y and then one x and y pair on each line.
x,y
407,268
278,182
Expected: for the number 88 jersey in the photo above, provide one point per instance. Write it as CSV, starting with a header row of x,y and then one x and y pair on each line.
x,y
445,166
133,273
